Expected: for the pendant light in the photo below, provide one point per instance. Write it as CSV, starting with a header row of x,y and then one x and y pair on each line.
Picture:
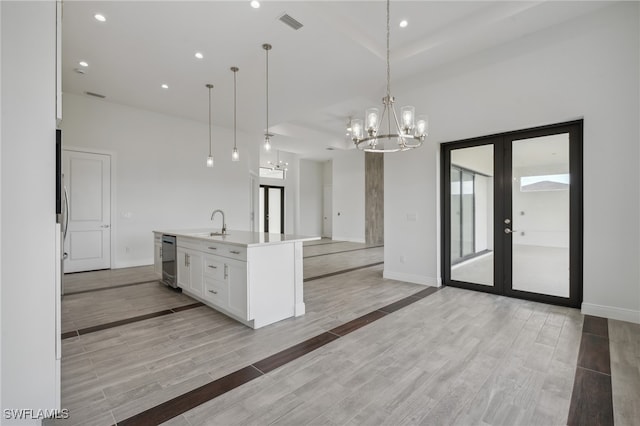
x,y
267,135
235,156
401,135
210,157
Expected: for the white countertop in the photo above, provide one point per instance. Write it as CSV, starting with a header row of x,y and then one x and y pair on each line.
x,y
239,238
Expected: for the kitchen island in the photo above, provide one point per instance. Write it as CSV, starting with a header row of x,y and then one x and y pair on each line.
x,y
253,277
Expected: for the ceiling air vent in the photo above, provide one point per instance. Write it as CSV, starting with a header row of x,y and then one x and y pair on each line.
x,y
287,19
97,95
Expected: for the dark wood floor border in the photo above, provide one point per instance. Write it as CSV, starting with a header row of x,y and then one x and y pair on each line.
x,y
344,271
592,396
296,351
343,251
187,401
125,321
109,288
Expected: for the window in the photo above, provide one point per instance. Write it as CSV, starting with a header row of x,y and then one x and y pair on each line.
x,y
267,172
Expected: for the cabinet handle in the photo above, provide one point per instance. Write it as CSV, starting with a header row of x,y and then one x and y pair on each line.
x,y
226,271
187,259
213,267
213,248
214,292
234,251
160,252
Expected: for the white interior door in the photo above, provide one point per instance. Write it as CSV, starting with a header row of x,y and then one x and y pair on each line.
x,y
327,218
87,178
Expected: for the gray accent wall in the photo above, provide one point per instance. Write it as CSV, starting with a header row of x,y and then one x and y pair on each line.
x,y
374,198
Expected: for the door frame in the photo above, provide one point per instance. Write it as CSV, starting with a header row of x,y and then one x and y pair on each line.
x,y
502,285
266,206
112,199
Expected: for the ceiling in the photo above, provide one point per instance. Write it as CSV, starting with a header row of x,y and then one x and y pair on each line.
x,y
319,75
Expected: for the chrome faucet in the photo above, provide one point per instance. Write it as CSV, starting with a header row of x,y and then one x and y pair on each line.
x,y
224,224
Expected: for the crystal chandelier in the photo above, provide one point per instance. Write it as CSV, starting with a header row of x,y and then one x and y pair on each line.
x,y
401,135
279,164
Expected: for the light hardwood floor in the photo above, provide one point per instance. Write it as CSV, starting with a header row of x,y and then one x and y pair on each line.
x,y
455,357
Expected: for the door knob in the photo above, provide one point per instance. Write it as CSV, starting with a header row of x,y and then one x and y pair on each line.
x,y
509,231
507,221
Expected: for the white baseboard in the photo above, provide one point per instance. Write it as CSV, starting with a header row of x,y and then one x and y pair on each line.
x,y
611,312
131,263
411,278
350,239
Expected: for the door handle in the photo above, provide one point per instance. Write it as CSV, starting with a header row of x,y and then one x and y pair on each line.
x,y
509,231
104,226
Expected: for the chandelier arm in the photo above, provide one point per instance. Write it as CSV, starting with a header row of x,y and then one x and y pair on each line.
x,y
398,128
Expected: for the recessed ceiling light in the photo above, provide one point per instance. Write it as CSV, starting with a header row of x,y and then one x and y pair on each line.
x,y
199,55
165,86
255,4
99,17
83,64
404,23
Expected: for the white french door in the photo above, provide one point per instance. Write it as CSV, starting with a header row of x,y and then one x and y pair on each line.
x,y
87,180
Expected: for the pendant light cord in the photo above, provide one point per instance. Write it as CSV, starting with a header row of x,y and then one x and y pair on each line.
x,y
209,121
388,54
267,68
235,107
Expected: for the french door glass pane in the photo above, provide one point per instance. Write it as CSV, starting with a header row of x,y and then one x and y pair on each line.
x,y
472,173
468,219
274,210
540,215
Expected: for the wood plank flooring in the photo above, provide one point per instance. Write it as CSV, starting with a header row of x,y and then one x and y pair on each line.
x,y
454,357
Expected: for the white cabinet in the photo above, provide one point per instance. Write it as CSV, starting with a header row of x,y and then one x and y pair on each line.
x,y
225,284
157,257
189,270
182,257
255,278
237,282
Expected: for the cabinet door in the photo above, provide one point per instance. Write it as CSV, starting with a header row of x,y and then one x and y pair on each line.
x,y
182,259
157,260
237,281
195,272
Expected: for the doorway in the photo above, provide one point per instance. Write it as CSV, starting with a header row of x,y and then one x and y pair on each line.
x,y
512,214
87,182
271,209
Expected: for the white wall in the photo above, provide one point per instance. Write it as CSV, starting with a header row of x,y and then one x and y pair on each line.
x,y
584,68
311,194
348,196
28,207
159,175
